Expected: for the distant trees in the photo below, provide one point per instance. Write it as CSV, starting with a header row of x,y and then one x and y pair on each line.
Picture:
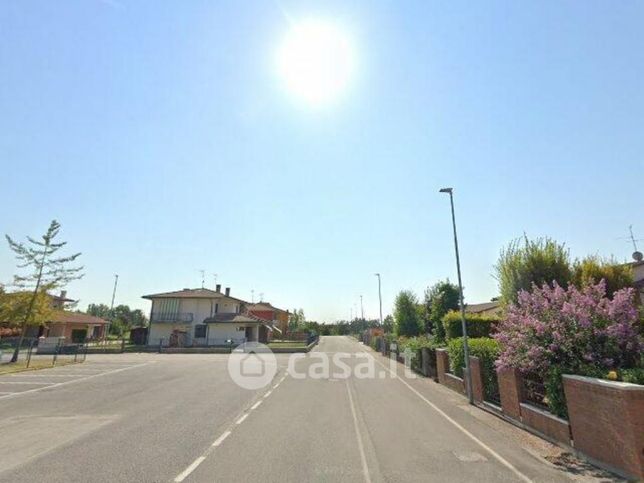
x,y
122,317
45,271
388,324
593,269
406,316
296,319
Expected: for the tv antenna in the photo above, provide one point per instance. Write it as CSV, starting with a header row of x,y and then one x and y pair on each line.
x,y
261,296
252,296
637,255
203,276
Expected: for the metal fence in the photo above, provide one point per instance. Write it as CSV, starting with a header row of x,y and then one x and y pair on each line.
x,y
30,355
491,391
534,391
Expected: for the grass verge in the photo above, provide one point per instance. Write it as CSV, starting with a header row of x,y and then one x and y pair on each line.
x,y
21,366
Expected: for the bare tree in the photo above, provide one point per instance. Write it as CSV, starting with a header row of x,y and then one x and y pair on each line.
x,y
45,271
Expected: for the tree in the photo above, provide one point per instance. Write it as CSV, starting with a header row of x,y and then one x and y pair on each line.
x,y
526,262
593,269
45,271
296,319
406,320
388,324
13,306
122,317
99,310
440,298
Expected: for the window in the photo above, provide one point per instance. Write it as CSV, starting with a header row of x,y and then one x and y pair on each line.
x,y
200,331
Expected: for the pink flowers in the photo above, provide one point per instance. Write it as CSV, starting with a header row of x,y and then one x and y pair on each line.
x,y
570,328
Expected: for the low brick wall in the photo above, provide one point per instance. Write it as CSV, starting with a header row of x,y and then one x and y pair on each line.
x,y
546,423
455,383
607,421
442,364
477,379
511,392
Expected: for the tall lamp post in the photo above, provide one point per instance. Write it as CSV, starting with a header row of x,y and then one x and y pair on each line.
x,y
379,297
466,349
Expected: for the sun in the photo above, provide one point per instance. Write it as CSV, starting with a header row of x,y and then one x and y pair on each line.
x,y
315,61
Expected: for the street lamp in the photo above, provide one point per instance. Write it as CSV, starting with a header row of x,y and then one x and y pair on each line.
x,y
466,349
379,297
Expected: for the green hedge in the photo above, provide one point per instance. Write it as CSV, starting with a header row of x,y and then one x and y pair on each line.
x,y
486,349
477,325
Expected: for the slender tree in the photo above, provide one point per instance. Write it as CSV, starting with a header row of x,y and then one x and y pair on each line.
x,y
45,271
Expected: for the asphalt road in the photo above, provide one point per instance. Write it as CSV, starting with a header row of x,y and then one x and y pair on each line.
x,y
180,417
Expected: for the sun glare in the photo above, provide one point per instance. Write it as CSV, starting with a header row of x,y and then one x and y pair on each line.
x,y
315,61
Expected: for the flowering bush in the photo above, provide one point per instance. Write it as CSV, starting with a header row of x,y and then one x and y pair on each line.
x,y
552,331
570,328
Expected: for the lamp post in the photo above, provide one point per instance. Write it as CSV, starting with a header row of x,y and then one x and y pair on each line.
x,y
379,297
466,350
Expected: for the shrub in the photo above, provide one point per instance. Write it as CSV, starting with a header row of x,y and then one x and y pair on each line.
x,y
553,331
439,299
527,262
485,348
592,270
634,375
406,317
477,325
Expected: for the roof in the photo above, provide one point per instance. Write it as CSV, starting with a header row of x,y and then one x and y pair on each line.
x,y
75,317
484,307
191,293
264,306
58,298
230,318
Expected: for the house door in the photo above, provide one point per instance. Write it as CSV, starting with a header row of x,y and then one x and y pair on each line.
x,y
249,334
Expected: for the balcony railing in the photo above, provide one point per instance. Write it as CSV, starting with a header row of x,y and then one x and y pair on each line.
x,y
175,317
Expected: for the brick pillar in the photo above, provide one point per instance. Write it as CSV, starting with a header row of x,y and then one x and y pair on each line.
x,y
511,392
477,379
442,364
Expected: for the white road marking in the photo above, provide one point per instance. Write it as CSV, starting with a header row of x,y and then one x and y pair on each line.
x,y
268,394
256,405
221,439
189,469
241,420
32,383
6,393
74,381
497,456
363,457
48,375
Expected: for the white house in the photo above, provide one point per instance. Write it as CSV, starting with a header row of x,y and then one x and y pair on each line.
x,y
202,317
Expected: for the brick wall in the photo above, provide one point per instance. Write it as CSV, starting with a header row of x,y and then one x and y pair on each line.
x,y
477,379
546,423
511,392
442,364
607,421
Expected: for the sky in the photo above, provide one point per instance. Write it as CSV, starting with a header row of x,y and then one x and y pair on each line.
x,y
164,139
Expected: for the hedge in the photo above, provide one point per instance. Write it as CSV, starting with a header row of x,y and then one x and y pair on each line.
x,y
487,350
477,325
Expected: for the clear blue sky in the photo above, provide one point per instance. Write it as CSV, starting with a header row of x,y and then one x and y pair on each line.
x,y
161,138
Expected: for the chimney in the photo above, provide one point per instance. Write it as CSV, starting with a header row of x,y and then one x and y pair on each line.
x,y
218,288
227,291
63,294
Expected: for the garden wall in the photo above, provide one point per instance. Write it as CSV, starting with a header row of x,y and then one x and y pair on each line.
x,y
607,421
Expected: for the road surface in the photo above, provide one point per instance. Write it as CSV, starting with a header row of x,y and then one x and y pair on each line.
x,y
180,417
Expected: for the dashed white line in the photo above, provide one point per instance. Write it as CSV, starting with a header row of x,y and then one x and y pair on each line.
x,y
241,420
268,394
256,405
189,469
221,439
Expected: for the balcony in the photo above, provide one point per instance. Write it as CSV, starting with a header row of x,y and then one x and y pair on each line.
x,y
171,317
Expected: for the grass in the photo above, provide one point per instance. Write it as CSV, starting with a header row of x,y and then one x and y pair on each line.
x,y
21,366
287,344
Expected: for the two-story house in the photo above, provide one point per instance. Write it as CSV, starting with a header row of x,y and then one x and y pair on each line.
x,y
202,317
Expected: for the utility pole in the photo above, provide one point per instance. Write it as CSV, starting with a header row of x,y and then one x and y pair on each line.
x,y
203,277
379,297
361,308
109,325
466,350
